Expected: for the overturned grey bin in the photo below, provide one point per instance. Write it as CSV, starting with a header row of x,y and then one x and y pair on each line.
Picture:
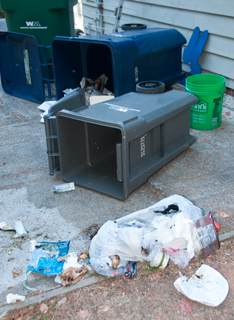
x,y
115,146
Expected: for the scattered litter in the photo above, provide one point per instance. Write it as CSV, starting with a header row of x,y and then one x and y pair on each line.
x,y
222,214
172,229
69,90
45,255
84,255
71,263
217,226
45,106
72,275
57,279
32,245
64,187
26,279
63,258
95,89
206,286
98,84
12,298
206,236
20,230
4,226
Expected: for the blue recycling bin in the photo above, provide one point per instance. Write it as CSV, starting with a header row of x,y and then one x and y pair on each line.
x,y
126,58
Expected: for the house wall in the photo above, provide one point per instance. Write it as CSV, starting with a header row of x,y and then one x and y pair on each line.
x,y
215,16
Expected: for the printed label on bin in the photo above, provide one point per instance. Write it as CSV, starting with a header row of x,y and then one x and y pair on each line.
x,y
33,25
201,106
26,66
120,108
142,144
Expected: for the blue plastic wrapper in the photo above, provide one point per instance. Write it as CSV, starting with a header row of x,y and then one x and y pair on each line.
x,y
45,255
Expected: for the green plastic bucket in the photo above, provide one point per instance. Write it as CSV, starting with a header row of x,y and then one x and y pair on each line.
x,y
206,114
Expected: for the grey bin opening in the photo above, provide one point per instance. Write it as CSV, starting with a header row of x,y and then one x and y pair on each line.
x,y
90,156
114,147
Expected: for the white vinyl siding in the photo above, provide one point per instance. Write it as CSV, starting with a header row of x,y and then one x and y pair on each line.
x,y
215,16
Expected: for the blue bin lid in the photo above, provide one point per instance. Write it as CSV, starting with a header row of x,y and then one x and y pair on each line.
x,y
20,66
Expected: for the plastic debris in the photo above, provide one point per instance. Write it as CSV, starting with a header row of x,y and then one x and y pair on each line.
x,y
45,106
206,236
32,245
64,187
217,226
20,230
63,258
206,286
71,261
5,227
26,279
12,298
45,255
70,90
172,229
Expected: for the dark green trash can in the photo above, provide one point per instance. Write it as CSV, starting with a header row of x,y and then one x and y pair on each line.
x,y
43,19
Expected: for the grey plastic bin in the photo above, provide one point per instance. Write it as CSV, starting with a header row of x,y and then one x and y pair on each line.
x,y
115,146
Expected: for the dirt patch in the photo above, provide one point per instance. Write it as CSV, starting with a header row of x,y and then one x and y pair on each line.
x,y
149,295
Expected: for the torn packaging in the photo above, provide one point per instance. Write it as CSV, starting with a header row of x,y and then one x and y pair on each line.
x,y
98,84
45,255
72,275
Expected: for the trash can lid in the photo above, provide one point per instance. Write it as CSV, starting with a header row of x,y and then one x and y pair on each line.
x,y
20,66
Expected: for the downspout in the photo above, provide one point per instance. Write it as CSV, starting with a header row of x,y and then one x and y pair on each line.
x,y
101,22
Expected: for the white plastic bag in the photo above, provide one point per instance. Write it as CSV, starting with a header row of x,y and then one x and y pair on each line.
x,y
142,235
126,243
206,286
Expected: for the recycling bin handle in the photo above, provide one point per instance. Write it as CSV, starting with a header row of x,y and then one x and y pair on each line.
x,y
119,162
